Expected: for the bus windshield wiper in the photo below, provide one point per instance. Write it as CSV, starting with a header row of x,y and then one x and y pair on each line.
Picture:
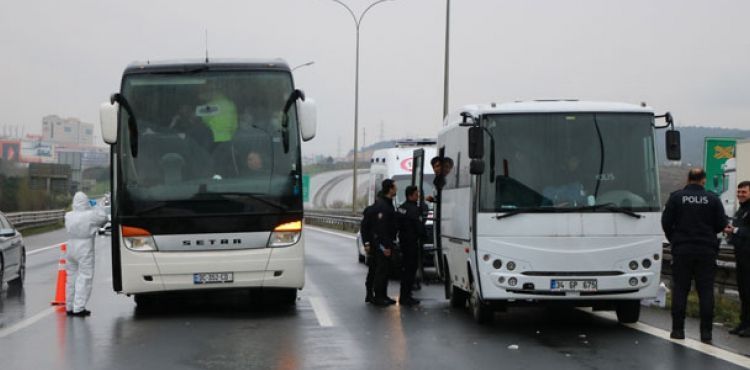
x,y
611,207
518,211
607,206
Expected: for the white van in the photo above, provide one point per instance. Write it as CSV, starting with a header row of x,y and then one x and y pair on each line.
x,y
396,164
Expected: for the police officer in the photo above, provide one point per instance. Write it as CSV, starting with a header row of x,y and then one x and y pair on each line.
x,y
383,236
738,235
410,229
366,233
691,220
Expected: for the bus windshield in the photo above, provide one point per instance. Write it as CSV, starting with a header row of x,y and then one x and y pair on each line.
x,y
568,161
210,142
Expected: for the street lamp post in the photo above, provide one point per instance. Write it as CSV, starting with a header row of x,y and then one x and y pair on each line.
x,y
304,65
447,57
357,23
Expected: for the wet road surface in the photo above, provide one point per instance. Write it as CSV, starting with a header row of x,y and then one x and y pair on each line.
x,y
330,327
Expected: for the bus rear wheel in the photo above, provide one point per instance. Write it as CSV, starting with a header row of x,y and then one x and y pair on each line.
x,y
628,312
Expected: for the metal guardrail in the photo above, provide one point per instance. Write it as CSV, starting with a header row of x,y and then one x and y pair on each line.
x,y
27,219
725,275
344,221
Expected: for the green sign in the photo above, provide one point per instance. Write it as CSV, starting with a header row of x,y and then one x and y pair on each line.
x,y
716,151
305,188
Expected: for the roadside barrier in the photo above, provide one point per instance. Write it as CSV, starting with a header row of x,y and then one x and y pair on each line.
x,y
62,277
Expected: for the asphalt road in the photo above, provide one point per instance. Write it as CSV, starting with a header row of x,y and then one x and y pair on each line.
x,y
330,327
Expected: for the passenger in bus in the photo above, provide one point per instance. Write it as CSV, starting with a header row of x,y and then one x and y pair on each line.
x,y
218,112
189,127
442,167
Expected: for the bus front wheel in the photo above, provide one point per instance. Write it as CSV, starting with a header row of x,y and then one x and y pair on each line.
x,y
628,312
482,312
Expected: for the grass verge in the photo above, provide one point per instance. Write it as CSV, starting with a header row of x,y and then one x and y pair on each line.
x,y
726,310
35,230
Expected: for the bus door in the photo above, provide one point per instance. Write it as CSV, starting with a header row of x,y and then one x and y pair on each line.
x,y
417,179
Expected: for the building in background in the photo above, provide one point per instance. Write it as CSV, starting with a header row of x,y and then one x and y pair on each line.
x,y
69,131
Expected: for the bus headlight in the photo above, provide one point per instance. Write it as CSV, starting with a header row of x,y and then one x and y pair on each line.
x,y
285,235
137,239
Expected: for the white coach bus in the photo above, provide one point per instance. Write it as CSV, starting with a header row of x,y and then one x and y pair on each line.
x,y
561,207
206,177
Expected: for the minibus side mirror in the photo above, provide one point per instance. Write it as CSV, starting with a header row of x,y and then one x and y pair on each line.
x,y
673,145
476,143
476,167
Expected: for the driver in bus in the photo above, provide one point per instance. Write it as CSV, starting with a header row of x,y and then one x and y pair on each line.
x,y
570,193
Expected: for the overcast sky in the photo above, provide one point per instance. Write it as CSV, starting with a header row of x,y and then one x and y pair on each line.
x,y
689,57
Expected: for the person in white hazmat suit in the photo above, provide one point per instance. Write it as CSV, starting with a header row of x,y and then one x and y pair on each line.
x,y
81,224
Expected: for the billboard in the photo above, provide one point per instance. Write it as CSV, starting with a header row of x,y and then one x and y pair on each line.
x,y
10,150
716,151
37,151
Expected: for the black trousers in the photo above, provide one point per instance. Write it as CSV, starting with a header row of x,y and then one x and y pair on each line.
x,y
380,280
743,284
408,268
685,269
370,279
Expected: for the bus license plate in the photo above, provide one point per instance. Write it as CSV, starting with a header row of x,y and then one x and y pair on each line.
x,y
213,278
588,285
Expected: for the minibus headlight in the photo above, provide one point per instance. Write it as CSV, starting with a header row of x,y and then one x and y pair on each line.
x,y
286,234
137,239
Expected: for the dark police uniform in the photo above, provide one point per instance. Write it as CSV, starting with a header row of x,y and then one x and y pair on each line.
x,y
740,239
383,236
691,220
365,232
410,230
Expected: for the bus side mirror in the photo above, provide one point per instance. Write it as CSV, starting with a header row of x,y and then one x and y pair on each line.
x,y
307,118
673,145
476,143
108,119
476,167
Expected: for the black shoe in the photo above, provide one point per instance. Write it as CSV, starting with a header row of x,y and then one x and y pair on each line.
x,y
82,313
390,301
69,313
368,298
706,336
677,334
409,301
380,302
744,333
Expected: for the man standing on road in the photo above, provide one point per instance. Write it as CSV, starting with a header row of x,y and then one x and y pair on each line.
x,y
81,224
410,229
384,234
738,235
691,221
366,234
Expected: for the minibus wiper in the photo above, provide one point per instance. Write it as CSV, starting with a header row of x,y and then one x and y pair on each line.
x,y
530,210
256,196
608,206
611,207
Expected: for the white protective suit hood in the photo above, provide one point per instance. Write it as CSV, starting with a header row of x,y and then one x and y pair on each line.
x,y
83,221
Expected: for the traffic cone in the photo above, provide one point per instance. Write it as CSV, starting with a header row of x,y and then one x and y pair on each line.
x,y
62,277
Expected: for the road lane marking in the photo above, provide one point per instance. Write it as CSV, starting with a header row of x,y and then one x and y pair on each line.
x,y
352,237
26,322
693,344
321,312
43,249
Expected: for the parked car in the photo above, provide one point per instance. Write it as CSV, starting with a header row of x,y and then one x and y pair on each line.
x,y
107,228
12,255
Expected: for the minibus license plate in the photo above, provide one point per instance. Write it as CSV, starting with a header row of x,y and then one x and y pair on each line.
x,y
588,285
213,277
